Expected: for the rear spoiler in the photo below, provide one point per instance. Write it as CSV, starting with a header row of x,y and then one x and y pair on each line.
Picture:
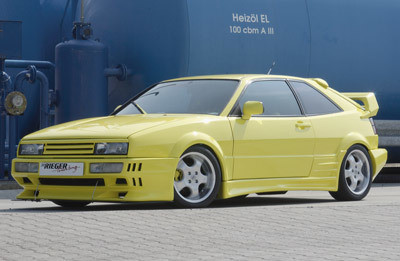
x,y
370,105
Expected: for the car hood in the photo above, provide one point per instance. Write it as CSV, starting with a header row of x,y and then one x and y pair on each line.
x,y
111,127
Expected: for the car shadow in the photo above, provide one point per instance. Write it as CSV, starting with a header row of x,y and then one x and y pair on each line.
x,y
250,201
258,201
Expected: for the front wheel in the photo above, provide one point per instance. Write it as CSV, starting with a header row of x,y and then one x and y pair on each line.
x,y
197,178
355,175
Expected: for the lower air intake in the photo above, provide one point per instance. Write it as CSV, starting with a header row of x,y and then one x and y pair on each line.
x,y
71,182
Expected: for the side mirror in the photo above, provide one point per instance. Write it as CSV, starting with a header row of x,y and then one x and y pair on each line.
x,y
116,108
252,108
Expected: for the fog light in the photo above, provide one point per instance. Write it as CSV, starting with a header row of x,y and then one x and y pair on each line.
x,y
32,167
106,167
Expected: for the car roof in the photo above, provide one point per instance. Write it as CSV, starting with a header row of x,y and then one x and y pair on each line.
x,y
235,77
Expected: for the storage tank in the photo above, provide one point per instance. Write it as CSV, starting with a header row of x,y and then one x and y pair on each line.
x,y
352,44
81,84
149,37
160,39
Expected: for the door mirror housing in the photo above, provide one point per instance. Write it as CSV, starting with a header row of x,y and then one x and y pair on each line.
x,y
252,108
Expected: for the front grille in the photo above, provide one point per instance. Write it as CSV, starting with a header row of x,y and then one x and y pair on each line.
x,y
68,149
71,182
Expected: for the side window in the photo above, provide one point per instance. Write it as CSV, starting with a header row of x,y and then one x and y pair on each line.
x,y
314,102
276,96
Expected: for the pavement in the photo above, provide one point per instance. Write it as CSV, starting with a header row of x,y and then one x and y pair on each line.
x,y
9,185
304,225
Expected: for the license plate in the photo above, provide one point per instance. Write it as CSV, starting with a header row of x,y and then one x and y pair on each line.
x,y
61,169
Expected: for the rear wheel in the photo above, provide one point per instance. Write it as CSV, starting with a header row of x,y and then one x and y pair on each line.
x,y
71,203
355,175
197,178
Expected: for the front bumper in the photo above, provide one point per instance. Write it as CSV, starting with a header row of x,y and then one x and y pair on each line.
x,y
146,179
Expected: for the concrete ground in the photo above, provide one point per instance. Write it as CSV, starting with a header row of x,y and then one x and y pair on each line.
x,y
302,225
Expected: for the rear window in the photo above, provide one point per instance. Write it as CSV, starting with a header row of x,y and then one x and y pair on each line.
x,y
314,102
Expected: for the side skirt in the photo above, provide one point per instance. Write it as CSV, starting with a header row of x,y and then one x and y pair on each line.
x,y
234,188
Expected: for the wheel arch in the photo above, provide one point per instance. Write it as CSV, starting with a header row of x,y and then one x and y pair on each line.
x,y
353,138
201,139
343,191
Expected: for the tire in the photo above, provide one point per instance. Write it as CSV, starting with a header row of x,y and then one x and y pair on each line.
x,y
355,176
71,203
197,179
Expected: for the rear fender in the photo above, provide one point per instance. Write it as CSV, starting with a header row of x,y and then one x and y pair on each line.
x,y
348,141
356,138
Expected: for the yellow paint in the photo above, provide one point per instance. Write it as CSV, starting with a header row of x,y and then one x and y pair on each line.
x,y
321,82
272,147
368,99
252,108
154,174
258,154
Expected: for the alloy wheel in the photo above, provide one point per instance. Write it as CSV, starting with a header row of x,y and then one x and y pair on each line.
x,y
195,177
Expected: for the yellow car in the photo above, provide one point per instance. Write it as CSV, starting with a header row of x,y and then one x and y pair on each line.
x,y
196,139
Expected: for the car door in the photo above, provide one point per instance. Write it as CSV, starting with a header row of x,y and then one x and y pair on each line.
x,y
328,124
277,144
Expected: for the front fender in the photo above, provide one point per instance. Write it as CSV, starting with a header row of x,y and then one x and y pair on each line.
x,y
197,138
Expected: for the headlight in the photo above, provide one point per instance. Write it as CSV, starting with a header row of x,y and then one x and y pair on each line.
x,y
114,148
26,167
106,167
31,149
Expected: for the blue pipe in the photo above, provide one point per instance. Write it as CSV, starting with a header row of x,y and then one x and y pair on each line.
x,y
2,142
31,75
26,63
5,87
19,79
44,101
12,142
121,72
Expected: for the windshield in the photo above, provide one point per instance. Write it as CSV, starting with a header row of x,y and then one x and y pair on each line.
x,y
187,97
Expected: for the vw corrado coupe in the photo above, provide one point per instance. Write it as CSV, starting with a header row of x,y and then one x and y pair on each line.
x,y
195,139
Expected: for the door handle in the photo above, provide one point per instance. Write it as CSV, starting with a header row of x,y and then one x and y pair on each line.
x,y
302,125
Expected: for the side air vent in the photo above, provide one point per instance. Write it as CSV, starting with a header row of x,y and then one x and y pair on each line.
x,y
137,182
121,182
134,167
